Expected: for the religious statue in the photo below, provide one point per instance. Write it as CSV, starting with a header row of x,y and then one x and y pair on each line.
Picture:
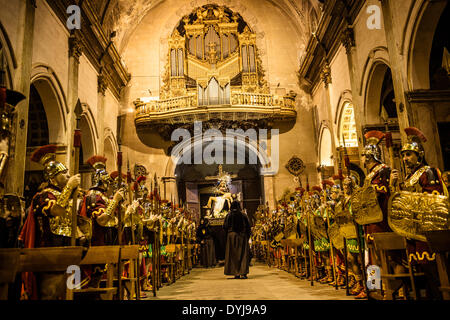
x,y
223,195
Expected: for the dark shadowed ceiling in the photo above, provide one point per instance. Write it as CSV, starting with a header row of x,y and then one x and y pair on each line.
x,y
123,16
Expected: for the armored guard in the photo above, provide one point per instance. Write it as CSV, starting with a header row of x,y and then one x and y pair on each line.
x,y
376,187
420,206
49,221
98,207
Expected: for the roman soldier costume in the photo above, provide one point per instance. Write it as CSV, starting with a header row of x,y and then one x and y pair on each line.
x,y
42,228
424,182
378,178
97,204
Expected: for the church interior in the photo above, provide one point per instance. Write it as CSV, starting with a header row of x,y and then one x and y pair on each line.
x,y
132,130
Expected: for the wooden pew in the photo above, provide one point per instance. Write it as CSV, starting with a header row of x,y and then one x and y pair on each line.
x,y
385,242
50,259
108,255
9,264
439,242
131,253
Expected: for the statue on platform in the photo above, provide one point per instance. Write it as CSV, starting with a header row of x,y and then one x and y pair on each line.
x,y
223,195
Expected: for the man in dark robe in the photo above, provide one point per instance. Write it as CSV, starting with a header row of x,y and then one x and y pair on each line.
x,y
237,253
207,246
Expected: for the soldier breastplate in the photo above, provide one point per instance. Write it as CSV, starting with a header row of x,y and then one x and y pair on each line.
x,y
113,221
412,183
61,225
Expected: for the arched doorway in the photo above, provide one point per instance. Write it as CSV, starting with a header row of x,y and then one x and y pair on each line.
x,y
87,150
429,79
439,66
381,109
45,126
110,154
197,183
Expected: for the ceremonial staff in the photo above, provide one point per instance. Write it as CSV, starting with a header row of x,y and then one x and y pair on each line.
x,y
76,145
120,127
308,222
358,239
133,238
390,148
347,289
130,200
322,174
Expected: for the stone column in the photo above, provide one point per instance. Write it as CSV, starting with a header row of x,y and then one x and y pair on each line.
x,y
18,143
101,89
75,51
348,40
425,104
169,189
268,182
399,77
326,78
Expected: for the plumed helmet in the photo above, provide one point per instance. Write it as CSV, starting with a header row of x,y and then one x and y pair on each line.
x,y
415,139
327,183
46,155
316,189
372,148
100,178
337,182
115,179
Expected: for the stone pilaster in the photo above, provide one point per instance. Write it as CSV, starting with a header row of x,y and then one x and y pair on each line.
x,y
75,52
169,189
101,92
268,182
404,111
18,147
327,81
348,41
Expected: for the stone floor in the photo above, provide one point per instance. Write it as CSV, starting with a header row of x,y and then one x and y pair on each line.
x,y
263,283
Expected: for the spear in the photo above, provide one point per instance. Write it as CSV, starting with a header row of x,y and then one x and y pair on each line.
x,y
358,239
347,289
328,224
130,199
308,222
77,145
388,136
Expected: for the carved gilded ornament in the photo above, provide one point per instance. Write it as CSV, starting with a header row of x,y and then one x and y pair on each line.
x,y
212,62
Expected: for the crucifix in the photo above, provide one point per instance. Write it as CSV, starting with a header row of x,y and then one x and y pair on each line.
x,y
222,175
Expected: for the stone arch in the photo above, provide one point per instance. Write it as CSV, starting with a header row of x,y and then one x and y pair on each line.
x,y
422,27
344,104
346,96
325,147
7,51
372,90
110,150
89,134
268,166
52,95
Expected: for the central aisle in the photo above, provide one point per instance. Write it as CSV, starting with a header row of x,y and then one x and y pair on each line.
x,y
263,283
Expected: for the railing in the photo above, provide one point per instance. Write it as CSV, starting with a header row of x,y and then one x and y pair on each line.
x,y
166,105
237,99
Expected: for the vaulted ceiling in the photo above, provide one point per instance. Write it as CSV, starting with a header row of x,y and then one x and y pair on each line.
x,y
123,16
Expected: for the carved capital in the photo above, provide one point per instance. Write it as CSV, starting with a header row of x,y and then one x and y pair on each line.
x,y
102,84
325,75
75,47
348,39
